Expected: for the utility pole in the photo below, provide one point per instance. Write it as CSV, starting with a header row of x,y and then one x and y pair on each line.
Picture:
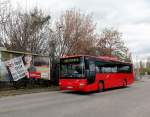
x,y
137,74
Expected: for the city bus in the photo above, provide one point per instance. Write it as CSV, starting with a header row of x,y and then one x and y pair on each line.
x,y
88,73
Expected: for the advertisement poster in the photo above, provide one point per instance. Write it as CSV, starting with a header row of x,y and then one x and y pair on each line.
x,y
16,68
41,68
37,67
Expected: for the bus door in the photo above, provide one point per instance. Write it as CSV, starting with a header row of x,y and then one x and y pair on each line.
x,y
90,71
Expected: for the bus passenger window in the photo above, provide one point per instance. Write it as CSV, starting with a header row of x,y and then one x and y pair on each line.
x,y
124,69
97,69
114,69
106,69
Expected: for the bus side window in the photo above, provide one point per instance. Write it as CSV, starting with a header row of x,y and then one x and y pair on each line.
x,y
124,69
97,69
106,69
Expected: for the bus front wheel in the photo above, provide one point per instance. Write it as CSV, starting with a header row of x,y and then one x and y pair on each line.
x,y
124,83
100,87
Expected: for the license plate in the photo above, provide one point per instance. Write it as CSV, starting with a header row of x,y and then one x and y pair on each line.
x,y
69,87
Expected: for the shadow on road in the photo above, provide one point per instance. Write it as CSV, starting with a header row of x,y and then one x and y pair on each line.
x,y
93,92
117,88
78,93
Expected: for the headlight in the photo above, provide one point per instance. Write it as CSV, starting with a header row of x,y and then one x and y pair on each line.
x,y
82,84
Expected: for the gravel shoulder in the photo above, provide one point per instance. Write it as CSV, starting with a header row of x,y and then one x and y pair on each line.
x,y
14,92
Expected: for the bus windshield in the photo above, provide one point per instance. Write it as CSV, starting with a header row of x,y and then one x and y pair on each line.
x,y
72,67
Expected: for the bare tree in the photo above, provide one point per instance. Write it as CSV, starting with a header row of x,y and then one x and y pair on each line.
x,y
26,32
110,41
4,14
75,33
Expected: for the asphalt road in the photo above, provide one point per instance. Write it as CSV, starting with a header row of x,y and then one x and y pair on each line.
x,y
133,101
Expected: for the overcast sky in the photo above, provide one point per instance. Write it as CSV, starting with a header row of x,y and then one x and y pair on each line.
x,y
131,17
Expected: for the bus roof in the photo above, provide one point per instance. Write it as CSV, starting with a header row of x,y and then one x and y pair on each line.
x,y
106,58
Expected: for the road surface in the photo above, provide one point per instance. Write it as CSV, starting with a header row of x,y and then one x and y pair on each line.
x,y
133,101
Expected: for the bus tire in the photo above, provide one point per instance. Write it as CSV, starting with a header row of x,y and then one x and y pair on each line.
x,y
100,86
124,83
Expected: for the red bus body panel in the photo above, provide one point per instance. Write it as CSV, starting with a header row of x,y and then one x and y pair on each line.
x,y
114,79
110,80
73,84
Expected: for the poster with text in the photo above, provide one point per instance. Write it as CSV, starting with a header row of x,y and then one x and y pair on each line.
x,y
16,68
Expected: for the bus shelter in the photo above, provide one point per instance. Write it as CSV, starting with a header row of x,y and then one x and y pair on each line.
x,y
15,65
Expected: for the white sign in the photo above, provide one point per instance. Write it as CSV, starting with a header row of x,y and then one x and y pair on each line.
x,y
17,68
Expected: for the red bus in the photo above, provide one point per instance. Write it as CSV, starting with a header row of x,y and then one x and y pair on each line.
x,y
89,73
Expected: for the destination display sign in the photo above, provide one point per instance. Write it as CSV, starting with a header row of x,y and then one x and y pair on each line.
x,y
70,60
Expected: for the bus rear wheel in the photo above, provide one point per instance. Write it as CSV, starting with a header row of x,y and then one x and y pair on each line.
x,y
100,87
